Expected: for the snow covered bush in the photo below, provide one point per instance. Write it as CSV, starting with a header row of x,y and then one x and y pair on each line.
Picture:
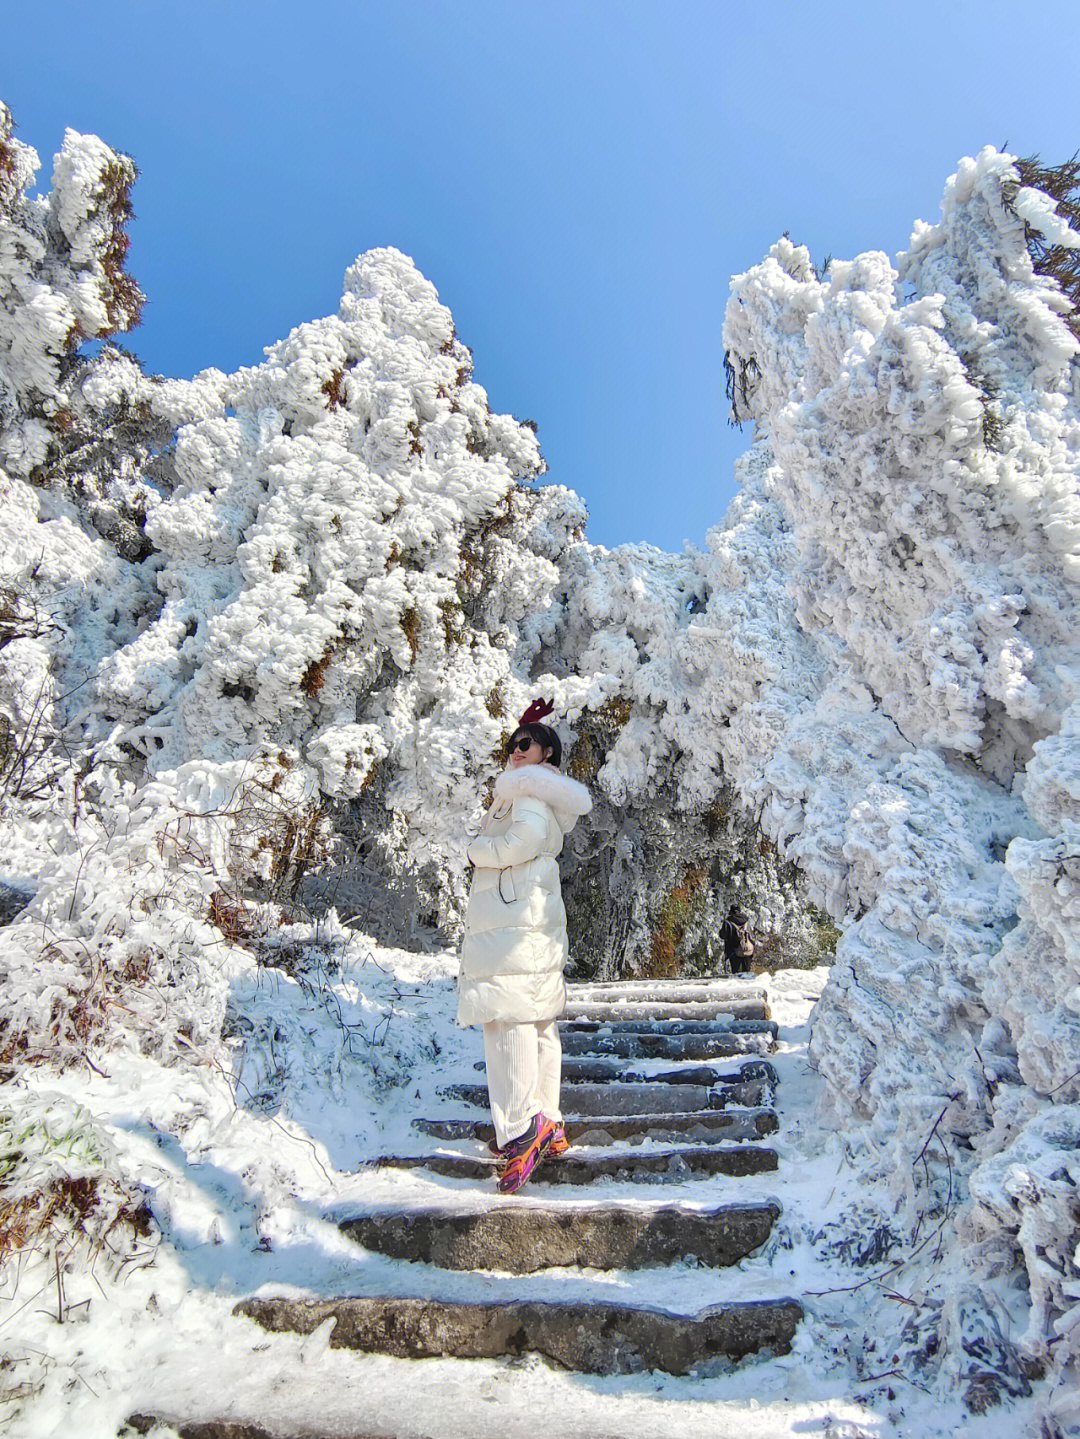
x,y
671,842
59,1194
916,453
342,564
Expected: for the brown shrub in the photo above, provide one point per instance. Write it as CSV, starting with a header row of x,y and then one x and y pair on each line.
x,y
665,948
314,677
231,917
663,957
333,389
410,623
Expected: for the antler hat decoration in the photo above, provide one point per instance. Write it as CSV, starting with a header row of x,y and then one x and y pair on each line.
x,y
537,711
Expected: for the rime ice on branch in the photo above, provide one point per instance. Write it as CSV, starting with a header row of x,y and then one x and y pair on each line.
x,y
918,444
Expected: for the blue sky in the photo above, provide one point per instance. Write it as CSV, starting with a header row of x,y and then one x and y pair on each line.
x,y
579,180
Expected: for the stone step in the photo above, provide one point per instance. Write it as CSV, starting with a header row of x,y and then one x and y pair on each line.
x,y
665,992
600,1071
708,1125
584,1166
613,1098
645,1044
635,1009
731,981
231,1429
521,1239
720,1025
592,1338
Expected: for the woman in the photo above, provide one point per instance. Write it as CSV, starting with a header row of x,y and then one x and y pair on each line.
x,y
515,949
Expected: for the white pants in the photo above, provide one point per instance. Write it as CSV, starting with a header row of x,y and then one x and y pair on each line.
x,y
524,1067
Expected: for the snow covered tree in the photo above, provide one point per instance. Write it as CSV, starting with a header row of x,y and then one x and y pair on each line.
x,y
73,497
917,454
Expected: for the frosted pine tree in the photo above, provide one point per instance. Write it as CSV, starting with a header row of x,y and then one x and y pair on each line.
x,y
346,557
70,460
918,444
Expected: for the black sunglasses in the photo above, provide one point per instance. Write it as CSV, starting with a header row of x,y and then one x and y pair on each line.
x,y
524,744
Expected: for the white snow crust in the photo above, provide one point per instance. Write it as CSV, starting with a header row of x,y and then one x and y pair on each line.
x,y
224,600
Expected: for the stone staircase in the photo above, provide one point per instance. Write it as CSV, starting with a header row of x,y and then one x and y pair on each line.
x,y
664,1084
629,1123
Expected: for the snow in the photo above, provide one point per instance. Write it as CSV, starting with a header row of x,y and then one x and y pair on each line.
x,y
261,639
246,1171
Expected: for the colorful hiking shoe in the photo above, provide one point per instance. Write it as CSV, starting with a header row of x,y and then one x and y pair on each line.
x,y
559,1143
558,1146
523,1154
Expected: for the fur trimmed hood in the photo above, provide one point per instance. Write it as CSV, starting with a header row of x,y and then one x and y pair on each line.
x,y
565,797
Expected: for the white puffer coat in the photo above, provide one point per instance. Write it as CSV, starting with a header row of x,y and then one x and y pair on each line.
x,y
514,948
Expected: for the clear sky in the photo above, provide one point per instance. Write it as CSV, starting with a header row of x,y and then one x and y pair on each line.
x,y
579,180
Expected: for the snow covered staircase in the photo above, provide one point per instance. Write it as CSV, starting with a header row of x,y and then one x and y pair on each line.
x,y
672,1116
696,1107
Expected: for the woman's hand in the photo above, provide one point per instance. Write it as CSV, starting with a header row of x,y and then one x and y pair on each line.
x,y
522,840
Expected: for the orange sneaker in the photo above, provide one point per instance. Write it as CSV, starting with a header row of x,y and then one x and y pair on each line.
x,y
559,1142
523,1154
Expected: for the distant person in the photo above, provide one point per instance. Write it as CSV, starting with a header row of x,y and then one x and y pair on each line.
x,y
514,949
738,946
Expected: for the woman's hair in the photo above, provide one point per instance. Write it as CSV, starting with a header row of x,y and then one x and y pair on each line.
x,y
545,737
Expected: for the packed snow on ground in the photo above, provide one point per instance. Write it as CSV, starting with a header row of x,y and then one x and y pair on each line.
x,y
246,1168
